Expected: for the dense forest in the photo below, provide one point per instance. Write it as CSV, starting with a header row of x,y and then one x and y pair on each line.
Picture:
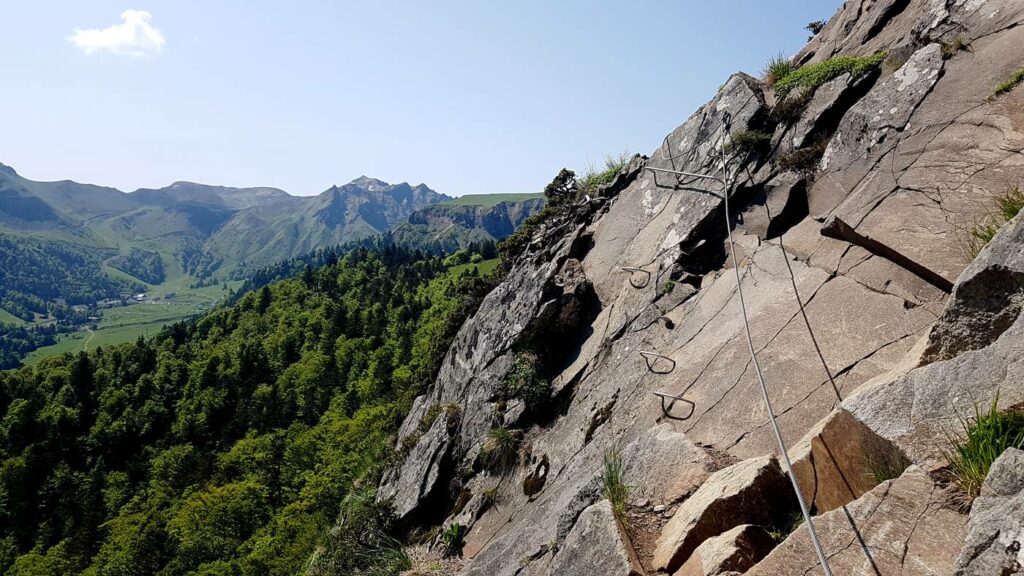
x,y
35,272
225,445
330,255
145,265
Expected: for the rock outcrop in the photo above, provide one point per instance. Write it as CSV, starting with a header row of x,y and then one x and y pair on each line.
x,y
996,530
848,229
902,526
751,492
737,550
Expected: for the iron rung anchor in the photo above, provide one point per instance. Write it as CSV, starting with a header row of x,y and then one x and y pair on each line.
x,y
671,399
651,358
632,272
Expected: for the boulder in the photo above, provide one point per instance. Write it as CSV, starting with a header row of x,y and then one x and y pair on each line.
x,y
754,491
595,546
776,207
987,299
984,336
664,466
995,535
902,526
840,460
734,551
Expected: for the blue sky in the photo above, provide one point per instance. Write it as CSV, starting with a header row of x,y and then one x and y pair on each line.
x,y
467,97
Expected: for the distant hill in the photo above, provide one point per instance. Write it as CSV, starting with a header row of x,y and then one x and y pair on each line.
x,y
454,224
491,199
203,231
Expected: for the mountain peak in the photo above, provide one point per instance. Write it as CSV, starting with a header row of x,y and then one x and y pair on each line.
x,y
5,169
371,184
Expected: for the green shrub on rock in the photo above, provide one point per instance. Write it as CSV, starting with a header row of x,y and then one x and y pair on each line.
x,y
812,76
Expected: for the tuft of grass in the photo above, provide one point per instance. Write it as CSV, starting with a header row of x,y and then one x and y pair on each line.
x,y
1007,206
452,540
500,450
886,464
789,109
615,488
596,177
803,160
781,530
979,442
951,47
812,76
749,141
524,382
777,68
1009,84
488,500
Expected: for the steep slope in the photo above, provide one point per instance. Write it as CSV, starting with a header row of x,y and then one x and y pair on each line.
x,y
871,176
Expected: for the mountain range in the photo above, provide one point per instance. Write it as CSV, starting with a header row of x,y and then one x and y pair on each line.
x,y
215,231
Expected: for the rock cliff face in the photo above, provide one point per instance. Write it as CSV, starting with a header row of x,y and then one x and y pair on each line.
x,y
857,208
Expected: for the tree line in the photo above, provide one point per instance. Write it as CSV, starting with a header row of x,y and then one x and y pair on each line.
x,y
225,444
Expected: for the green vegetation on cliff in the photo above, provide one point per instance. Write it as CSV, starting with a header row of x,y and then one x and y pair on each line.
x,y
225,445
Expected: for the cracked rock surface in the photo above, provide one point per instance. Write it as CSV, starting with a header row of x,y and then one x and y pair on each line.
x,y
996,530
914,152
750,492
902,526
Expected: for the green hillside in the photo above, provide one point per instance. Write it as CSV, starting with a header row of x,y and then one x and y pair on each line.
x,y
227,445
65,244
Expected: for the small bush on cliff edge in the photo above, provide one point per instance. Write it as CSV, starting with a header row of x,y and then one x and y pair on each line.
x,y
559,194
1009,84
980,441
524,382
362,542
812,76
1007,206
615,488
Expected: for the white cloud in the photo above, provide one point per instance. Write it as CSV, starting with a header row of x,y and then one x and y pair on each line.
x,y
134,36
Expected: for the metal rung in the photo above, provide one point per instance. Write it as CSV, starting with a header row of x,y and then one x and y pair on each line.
x,y
632,271
667,409
689,175
651,359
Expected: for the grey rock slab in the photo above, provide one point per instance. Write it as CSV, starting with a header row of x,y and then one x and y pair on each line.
x,y
914,170
902,526
838,460
916,411
595,546
981,332
750,492
868,131
782,201
866,26
830,99
987,298
662,465
996,530
735,551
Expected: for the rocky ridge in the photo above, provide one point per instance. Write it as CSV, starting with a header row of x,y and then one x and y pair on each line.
x,y
865,236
